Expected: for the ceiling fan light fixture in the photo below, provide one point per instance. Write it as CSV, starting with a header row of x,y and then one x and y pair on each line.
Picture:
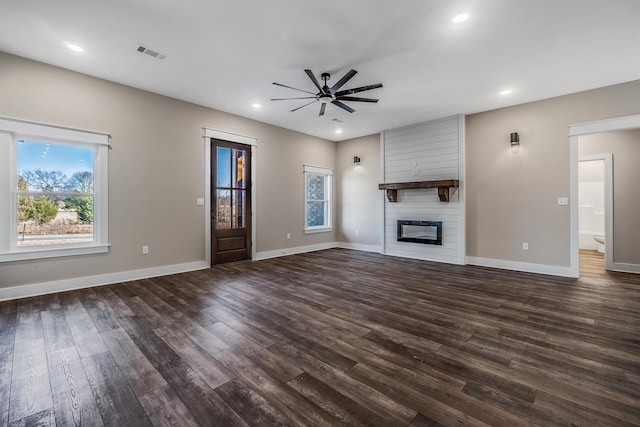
x,y
331,95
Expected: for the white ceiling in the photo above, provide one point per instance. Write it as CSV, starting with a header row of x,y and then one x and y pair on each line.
x,y
225,54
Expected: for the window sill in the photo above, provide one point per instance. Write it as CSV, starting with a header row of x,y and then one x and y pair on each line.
x,y
317,230
39,253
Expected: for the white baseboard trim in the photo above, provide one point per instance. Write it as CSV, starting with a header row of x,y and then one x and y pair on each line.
x,y
422,258
626,268
43,288
360,247
35,289
553,270
292,251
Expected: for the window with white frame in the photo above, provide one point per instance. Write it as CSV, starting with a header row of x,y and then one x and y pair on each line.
x,y
317,200
53,189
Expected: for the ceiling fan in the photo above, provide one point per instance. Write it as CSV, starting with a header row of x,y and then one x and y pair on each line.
x,y
331,94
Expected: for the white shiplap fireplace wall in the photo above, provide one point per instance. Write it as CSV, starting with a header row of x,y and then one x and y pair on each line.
x,y
423,152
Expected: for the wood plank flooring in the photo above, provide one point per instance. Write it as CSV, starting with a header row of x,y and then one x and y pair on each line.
x,y
335,337
591,263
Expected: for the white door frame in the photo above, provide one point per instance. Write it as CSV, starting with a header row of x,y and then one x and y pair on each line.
x,y
241,139
575,131
608,204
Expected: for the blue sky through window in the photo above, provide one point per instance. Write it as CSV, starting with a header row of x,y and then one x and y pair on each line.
x,y
224,167
68,159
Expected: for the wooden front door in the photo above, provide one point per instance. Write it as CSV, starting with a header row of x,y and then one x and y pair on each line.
x,y
230,201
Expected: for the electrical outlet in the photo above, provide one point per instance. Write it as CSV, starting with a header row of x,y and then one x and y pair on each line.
x,y
357,232
145,250
525,246
288,236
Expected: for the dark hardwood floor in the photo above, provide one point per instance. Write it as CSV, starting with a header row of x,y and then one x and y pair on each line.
x,y
328,338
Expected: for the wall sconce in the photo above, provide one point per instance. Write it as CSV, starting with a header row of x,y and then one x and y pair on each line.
x,y
515,139
356,160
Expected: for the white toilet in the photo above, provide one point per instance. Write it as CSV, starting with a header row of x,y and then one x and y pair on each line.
x,y
600,239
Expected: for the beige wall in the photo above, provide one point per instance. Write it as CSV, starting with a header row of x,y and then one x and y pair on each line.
x,y
625,147
512,196
157,172
358,198
156,169
281,156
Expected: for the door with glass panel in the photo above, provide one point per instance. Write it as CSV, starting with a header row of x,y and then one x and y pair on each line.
x,y
230,201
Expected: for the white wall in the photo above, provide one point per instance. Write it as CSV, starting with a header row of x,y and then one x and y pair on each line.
x,y
591,202
424,152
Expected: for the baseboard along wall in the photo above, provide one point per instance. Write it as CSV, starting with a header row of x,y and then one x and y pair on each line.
x,y
43,288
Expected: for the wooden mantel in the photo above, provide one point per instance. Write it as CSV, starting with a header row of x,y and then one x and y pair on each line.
x,y
442,186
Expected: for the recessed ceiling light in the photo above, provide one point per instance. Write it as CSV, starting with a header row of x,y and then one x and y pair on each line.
x,y
338,130
256,105
506,91
75,47
460,18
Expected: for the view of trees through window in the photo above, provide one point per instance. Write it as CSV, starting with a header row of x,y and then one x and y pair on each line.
x,y
316,203
54,198
317,187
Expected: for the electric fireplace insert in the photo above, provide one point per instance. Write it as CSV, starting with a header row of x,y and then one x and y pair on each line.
x,y
427,232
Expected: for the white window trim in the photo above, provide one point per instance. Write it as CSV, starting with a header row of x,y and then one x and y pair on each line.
x,y
317,170
13,129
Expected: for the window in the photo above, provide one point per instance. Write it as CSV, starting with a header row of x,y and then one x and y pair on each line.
x,y
231,188
53,189
317,201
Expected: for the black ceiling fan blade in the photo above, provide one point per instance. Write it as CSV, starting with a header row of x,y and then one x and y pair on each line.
x,y
313,79
342,81
356,98
343,106
302,97
294,88
302,106
324,105
358,89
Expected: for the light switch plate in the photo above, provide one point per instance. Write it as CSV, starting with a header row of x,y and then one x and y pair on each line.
x,y
200,201
563,201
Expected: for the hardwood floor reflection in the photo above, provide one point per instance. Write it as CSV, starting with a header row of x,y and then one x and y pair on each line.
x,y
328,338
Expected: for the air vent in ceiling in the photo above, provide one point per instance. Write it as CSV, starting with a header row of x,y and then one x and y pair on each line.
x,y
150,52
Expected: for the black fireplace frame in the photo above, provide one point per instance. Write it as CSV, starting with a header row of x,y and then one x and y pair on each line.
x,y
437,224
